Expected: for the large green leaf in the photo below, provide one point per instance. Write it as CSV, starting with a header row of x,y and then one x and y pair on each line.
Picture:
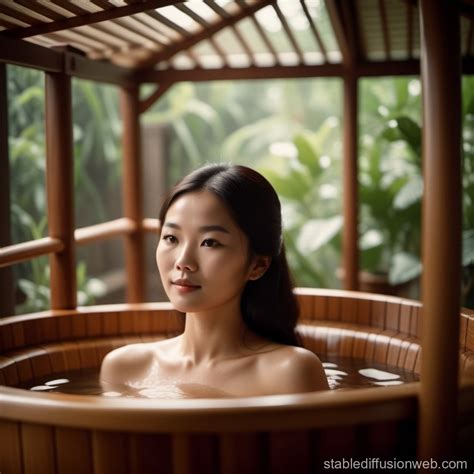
x,y
317,232
405,267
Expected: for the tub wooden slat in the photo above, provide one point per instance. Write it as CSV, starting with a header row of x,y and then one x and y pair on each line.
x,y
363,312
359,345
462,332
349,310
110,452
110,324
412,354
181,454
38,451
241,453
10,371
394,348
56,357
333,443
94,323
150,454
405,318
370,347
333,309
23,365
298,443
88,355
142,322
320,307
6,339
346,344
203,451
73,451
392,316
18,335
125,323
71,356
333,341
79,328
40,363
64,322
405,345
382,342
470,334
306,310
48,329
10,448
415,326
381,438
378,314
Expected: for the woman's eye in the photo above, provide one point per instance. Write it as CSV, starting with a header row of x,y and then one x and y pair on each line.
x,y
169,238
210,243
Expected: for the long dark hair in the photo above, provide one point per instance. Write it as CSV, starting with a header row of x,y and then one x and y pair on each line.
x,y
268,305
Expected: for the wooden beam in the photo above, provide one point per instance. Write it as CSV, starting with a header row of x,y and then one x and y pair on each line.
x,y
25,251
88,19
350,18
104,230
7,282
219,74
132,194
441,229
350,237
410,67
145,104
192,40
23,53
60,188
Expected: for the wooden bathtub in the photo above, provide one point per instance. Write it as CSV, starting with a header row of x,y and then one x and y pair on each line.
x,y
59,433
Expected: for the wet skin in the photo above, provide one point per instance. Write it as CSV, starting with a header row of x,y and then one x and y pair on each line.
x,y
217,355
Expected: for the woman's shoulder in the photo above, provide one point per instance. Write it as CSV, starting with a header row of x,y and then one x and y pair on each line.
x,y
129,362
291,369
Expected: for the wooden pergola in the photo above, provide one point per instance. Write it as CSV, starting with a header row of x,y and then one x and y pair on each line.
x,y
130,42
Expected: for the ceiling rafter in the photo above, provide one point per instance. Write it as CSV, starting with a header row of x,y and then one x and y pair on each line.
x,y
351,25
385,32
88,19
195,38
345,46
262,34
315,31
288,32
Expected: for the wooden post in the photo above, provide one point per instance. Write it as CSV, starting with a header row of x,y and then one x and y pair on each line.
x,y
60,188
441,227
350,180
7,286
132,194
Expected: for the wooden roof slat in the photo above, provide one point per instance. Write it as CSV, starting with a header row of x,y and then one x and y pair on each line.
x,y
70,7
140,29
469,38
386,36
165,21
352,25
201,21
262,33
314,30
225,15
409,16
89,19
18,15
40,9
195,38
192,14
347,51
288,32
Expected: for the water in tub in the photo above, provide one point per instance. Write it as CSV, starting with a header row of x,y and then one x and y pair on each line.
x,y
342,374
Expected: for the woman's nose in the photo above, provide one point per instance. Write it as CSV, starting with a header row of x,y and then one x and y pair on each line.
x,y
186,261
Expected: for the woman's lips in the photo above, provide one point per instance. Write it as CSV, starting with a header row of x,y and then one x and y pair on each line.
x,y
185,288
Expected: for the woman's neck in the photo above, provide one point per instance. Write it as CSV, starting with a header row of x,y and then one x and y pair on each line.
x,y
213,335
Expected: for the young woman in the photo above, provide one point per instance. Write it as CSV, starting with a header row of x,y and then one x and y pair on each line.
x,y
221,259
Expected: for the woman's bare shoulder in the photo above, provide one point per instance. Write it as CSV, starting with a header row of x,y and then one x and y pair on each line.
x,y
127,362
291,369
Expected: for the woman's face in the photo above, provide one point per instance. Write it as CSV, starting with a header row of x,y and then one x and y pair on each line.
x,y
201,243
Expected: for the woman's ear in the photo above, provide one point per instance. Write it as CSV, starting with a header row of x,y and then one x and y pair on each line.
x,y
259,266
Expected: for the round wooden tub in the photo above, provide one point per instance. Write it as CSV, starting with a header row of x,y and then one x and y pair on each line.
x,y
60,433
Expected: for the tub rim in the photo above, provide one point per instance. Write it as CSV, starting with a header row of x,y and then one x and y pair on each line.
x,y
259,413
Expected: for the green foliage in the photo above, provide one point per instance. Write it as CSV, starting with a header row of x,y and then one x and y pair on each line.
x,y
97,164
